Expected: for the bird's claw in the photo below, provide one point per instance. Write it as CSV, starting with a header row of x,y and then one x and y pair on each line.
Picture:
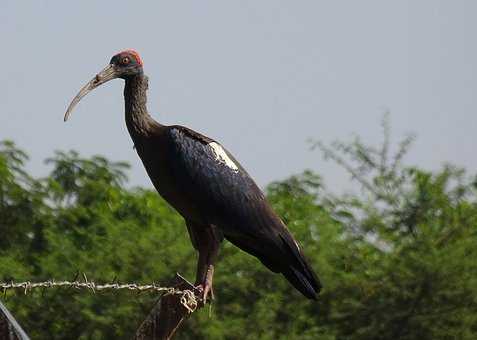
x,y
206,291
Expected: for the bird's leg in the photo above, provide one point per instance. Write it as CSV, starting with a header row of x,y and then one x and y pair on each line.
x,y
208,247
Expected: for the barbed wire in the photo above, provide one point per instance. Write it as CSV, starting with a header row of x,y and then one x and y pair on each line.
x,y
187,297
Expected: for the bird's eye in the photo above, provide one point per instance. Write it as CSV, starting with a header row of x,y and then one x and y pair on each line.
x,y
125,60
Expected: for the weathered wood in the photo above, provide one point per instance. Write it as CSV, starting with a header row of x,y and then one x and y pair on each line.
x,y
9,327
168,313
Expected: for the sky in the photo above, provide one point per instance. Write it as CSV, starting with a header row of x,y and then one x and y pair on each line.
x,y
261,77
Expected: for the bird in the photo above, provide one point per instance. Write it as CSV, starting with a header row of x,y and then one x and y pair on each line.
x,y
200,179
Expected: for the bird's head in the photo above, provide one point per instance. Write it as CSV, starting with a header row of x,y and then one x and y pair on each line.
x,y
123,65
126,64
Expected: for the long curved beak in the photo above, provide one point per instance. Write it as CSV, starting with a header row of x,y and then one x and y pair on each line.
x,y
107,74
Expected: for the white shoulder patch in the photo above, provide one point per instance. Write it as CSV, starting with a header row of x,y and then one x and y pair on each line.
x,y
222,157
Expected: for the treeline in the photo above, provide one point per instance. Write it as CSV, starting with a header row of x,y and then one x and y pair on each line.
x,y
398,260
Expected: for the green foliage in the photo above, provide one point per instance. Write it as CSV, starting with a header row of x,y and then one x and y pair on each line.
x,y
397,260
414,246
82,220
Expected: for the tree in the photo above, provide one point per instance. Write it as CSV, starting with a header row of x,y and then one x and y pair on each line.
x,y
414,234
396,259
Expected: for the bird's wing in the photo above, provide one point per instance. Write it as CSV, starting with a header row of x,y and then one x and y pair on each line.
x,y
228,198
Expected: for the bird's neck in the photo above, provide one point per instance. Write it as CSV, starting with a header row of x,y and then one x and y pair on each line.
x,y
138,120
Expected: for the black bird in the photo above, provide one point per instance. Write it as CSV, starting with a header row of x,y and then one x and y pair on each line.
x,y
206,185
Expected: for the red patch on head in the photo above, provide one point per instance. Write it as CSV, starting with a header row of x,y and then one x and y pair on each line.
x,y
135,54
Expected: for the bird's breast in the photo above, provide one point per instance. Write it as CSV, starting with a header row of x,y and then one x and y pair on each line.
x,y
158,166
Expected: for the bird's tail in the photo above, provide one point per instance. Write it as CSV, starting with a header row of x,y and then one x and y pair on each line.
x,y
283,255
299,273
308,285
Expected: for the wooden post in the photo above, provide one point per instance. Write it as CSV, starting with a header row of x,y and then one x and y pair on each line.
x,y
168,313
9,327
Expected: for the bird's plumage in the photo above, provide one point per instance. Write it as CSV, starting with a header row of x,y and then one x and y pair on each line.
x,y
206,185
228,198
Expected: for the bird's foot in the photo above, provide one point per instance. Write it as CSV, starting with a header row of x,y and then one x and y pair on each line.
x,y
204,285
206,292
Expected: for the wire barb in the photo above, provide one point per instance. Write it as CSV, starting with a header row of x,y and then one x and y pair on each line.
x,y
188,299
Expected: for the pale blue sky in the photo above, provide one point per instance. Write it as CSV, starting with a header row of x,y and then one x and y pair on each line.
x,y
261,77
